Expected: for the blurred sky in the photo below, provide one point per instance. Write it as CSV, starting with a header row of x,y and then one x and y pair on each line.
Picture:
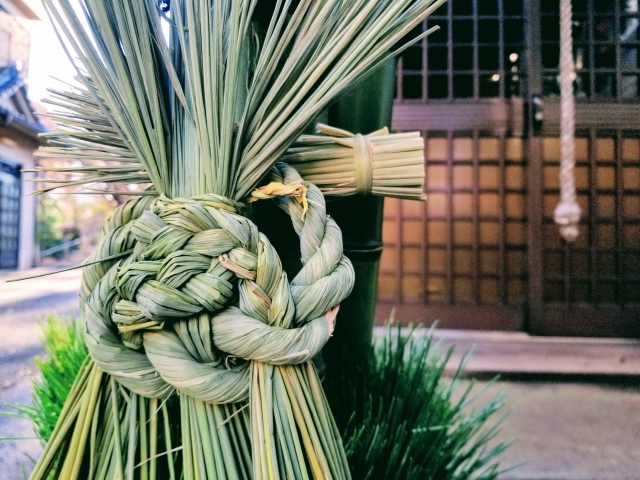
x,y
47,56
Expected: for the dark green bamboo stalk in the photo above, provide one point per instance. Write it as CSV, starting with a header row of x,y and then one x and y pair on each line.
x,y
367,108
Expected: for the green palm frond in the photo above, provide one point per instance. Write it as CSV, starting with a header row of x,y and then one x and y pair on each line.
x,y
117,46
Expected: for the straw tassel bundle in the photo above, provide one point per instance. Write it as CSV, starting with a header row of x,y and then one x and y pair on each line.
x,y
200,345
341,163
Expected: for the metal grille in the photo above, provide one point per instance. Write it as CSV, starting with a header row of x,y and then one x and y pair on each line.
x,y
476,54
603,267
606,43
9,215
466,245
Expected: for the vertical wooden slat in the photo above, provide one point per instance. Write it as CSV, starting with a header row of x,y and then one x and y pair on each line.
x,y
425,83
503,75
534,174
502,213
591,47
567,267
593,215
476,214
618,65
450,48
450,249
399,250
619,252
475,66
425,234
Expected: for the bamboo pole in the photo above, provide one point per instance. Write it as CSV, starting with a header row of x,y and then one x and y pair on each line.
x,y
368,107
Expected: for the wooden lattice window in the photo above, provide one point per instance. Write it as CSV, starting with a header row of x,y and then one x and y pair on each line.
x,y
606,43
476,54
466,245
9,215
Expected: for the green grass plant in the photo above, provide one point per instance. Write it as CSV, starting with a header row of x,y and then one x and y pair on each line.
x,y
403,418
65,353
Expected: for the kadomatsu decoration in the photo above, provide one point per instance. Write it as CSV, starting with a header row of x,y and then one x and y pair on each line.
x,y
188,313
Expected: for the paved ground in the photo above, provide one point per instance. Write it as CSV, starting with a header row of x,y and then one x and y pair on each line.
x,y
561,430
572,431
22,306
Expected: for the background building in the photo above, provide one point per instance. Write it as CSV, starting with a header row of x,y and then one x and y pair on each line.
x,y
19,128
483,252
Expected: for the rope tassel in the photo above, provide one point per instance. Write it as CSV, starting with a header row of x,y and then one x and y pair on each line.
x,y
567,214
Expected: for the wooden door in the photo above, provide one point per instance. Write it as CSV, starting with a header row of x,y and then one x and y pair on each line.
x,y
483,252
592,287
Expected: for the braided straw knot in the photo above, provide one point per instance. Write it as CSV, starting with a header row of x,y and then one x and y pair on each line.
x,y
198,290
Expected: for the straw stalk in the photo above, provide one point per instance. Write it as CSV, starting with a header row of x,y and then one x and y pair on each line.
x,y
183,295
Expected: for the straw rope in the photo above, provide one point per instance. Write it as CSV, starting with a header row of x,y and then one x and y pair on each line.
x,y
201,291
363,156
567,213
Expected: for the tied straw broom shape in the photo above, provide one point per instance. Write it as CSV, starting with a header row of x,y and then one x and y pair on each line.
x,y
337,162
183,294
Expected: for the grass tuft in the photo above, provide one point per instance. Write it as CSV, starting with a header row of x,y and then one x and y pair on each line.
x,y
65,354
403,419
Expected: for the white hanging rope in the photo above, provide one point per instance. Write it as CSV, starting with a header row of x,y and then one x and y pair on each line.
x,y
567,213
